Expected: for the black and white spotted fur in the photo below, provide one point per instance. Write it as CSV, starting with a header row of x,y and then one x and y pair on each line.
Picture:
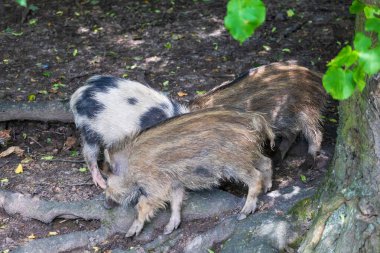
x,y
108,109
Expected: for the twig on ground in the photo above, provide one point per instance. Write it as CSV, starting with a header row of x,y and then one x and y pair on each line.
x,y
66,161
35,141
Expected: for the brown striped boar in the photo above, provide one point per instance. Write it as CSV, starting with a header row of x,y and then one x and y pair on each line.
x,y
194,151
108,109
290,96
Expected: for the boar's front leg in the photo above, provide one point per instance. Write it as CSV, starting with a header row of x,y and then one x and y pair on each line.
x,y
145,210
177,196
285,144
90,153
254,189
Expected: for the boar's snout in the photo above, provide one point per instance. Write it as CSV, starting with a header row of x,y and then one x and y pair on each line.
x,y
109,203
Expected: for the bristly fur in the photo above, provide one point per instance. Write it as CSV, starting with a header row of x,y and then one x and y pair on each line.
x,y
194,151
291,98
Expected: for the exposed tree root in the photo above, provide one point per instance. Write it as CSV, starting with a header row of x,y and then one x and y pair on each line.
x,y
38,111
65,242
113,221
316,231
47,211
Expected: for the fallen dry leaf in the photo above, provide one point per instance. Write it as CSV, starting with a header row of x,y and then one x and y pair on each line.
x,y
26,160
69,143
19,169
4,136
52,233
181,93
14,149
32,236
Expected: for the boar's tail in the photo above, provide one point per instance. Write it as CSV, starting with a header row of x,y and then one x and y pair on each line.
x,y
261,124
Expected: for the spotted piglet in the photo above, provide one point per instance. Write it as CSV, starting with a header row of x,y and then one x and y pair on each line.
x,y
109,109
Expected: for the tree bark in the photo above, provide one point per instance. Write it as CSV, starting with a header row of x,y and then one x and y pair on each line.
x,y
348,218
38,111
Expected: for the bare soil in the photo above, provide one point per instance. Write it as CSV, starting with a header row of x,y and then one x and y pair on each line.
x,y
174,46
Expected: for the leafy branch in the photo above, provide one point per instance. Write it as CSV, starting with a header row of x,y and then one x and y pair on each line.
x,y
347,71
243,17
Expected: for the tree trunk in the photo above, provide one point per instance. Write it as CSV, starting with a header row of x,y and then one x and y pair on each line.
x,y
348,218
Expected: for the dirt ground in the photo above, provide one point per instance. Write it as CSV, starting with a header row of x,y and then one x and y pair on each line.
x,y
180,47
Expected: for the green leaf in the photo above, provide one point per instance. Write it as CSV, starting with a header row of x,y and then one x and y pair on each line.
x,y
200,92
33,22
4,180
47,73
74,153
243,17
75,52
267,48
22,3
290,13
83,169
346,57
168,45
356,7
287,50
372,25
44,92
31,97
362,42
56,86
47,158
370,60
359,77
17,34
303,178
371,11
339,83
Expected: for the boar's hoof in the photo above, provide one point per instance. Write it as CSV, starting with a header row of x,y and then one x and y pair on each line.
x,y
98,179
241,216
309,163
171,226
135,229
277,159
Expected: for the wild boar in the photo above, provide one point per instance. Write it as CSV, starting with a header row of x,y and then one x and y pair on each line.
x,y
108,109
194,151
291,98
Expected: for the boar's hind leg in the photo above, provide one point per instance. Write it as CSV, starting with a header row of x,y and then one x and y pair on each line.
x,y
90,153
314,139
286,142
145,210
264,165
254,188
177,196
